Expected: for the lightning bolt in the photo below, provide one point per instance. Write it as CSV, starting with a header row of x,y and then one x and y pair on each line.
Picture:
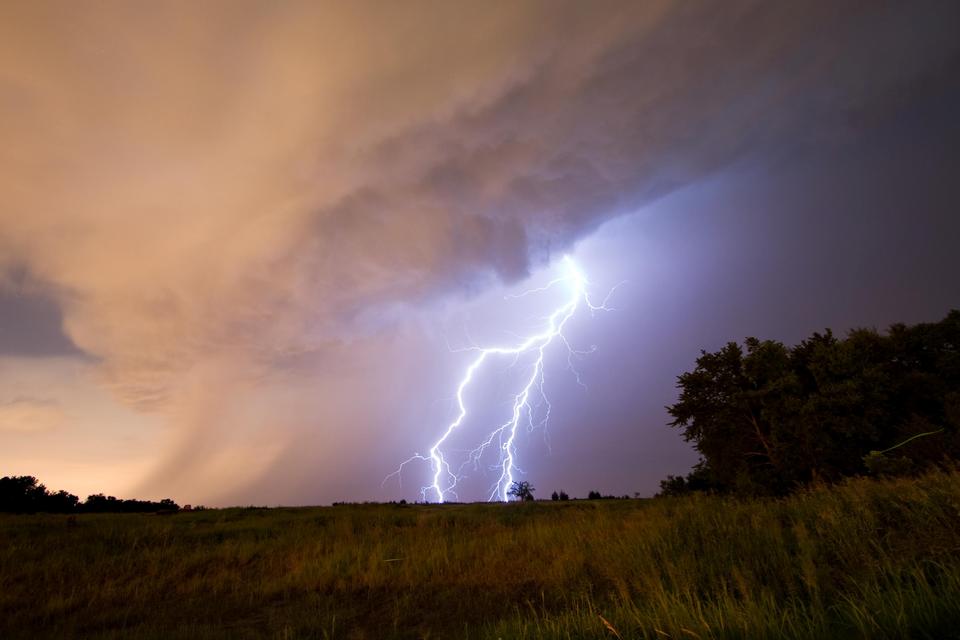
x,y
444,478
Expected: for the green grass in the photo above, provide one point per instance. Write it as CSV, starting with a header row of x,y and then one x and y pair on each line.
x,y
867,559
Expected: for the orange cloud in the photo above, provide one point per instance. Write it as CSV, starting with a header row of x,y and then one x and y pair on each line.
x,y
30,415
215,191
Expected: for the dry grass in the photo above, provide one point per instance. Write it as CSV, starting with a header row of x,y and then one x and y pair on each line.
x,y
866,559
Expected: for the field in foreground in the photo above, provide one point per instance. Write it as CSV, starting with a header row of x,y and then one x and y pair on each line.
x,y
868,559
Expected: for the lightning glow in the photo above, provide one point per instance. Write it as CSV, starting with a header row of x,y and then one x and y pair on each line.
x,y
444,477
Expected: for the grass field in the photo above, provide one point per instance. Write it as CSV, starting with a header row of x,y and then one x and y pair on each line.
x,y
868,559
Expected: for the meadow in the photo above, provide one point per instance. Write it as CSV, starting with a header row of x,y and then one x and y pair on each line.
x,y
864,559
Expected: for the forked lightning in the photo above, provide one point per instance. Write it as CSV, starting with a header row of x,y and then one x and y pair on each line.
x,y
444,478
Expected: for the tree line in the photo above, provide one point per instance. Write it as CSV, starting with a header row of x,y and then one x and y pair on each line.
x,y
523,491
25,494
767,418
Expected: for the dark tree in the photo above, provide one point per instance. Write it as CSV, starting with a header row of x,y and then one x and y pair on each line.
x,y
62,502
100,503
554,496
697,480
22,494
25,494
522,490
767,418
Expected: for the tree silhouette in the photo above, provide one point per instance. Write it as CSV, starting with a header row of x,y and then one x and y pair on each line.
x,y
768,418
522,490
25,494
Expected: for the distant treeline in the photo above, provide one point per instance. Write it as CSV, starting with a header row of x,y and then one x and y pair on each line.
x,y
769,418
25,494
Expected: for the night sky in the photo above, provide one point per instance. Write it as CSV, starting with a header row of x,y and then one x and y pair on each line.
x,y
244,245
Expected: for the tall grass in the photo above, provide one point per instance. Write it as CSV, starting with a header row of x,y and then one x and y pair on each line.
x,y
866,559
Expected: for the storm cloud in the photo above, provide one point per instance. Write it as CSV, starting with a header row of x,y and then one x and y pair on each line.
x,y
237,211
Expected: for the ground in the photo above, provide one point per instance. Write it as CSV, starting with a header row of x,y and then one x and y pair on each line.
x,y
866,559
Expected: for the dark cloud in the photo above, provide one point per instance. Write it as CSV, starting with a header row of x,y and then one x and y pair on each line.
x,y
31,321
573,142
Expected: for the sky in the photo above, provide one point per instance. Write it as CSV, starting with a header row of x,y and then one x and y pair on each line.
x,y
246,247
